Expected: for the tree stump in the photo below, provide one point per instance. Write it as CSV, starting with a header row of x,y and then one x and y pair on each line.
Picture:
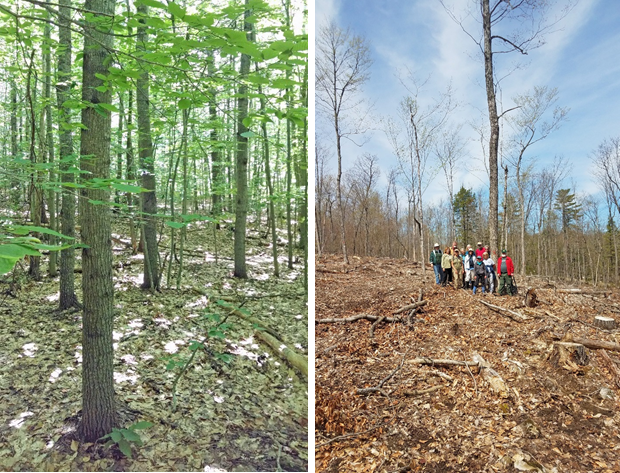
x,y
606,323
531,300
569,355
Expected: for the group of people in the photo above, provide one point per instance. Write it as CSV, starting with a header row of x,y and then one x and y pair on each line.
x,y
472,268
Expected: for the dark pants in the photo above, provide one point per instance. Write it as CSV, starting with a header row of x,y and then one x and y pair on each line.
x,y
505,285
479,282
447,276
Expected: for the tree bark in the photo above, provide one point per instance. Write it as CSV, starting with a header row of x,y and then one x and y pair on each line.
x,y
147,163
98,410
494,129
241,209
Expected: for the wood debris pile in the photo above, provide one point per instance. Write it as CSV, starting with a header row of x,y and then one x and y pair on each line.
x,y
458,385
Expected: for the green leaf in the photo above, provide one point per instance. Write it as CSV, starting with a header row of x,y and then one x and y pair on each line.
x,y
175,224
16,251
141,425
176,10
153,3
194,345
101,88
116,435
184,103
108,106
225,357
125,447
7,264
128,188
130,435
248,134
101,76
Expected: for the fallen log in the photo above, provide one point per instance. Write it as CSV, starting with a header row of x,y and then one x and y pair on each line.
x,y
583,291
505,312
356,317
596,344
371,332
291,357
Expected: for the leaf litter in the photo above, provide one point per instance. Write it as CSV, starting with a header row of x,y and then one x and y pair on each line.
x,y
386,403
239,407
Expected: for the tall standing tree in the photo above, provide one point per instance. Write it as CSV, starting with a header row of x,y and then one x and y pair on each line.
x,y
98,410
530,125
147,164
507,27
68,298
241,208
342,65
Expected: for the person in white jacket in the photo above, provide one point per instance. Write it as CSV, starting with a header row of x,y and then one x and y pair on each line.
x,y
469,261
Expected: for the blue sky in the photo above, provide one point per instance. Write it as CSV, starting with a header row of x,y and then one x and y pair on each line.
x,y
581,58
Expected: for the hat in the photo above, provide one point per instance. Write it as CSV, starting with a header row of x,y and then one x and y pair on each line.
x,y
479,243
470,250
504,252
436,245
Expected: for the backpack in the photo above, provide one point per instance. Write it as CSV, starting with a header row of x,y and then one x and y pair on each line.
x,y
515,289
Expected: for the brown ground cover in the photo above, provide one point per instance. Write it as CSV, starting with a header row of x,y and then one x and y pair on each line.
x,y
551,409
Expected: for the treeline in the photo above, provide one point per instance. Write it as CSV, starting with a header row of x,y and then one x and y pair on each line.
x,y
568,235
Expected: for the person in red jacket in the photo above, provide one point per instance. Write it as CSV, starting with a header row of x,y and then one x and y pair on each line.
x,y
480,249
505,269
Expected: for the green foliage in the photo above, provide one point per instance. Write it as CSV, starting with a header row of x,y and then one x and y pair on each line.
x,y
124,438
465,212
567,207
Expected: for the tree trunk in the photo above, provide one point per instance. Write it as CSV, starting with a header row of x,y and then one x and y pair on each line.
x,y
147,164
68,298
241,209
98,410
494,129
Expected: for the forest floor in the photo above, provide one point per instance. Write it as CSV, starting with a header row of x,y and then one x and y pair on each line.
x,y
550,410
238,407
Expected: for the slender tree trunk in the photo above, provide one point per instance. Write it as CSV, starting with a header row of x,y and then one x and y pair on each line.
x,y
68,298
147,164
98,409
35,197
184,152
241,208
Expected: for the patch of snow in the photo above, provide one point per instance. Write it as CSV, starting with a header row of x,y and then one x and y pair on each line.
x,y
262,277
53,297
226,286
55,375
19,422
136,323
144,356
218,399
299,316
293,275
298,346
50,444
191,316
282,347
161,321
117,335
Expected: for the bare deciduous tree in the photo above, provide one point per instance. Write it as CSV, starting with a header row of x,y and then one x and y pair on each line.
x,y
342,66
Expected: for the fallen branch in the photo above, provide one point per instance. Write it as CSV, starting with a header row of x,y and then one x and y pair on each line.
x,y
409,307
611,366
371,332
340,437
505,312
294,359
353,318
419,392
413,311
379,387
431,362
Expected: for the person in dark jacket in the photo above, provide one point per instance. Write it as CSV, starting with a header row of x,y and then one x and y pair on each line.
x,y
435,260
505,269
480,272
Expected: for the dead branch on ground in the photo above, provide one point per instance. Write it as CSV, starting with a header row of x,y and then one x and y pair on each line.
x,y
505,312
